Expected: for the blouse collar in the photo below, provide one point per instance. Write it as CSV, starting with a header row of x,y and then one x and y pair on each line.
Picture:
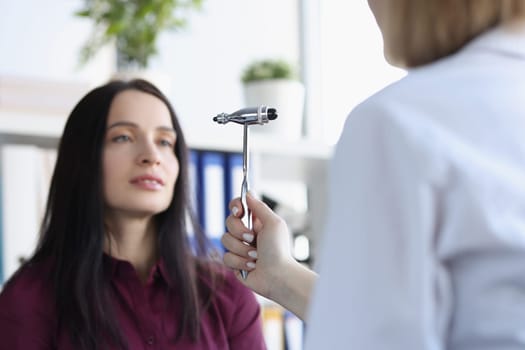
x,y
123,268
506,40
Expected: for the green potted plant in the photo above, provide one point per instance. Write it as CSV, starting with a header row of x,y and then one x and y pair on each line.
x,y
267,70
133,26
275,83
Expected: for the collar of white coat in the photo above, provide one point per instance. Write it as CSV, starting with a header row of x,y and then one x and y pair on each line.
x,y
507,40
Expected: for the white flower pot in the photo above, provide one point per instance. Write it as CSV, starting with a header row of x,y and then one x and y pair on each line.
x,y
287,96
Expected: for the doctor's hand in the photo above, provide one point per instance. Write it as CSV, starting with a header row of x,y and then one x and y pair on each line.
x,y
268,252
272,270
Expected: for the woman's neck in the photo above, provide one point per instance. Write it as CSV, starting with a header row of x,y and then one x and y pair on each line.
x,y
133,240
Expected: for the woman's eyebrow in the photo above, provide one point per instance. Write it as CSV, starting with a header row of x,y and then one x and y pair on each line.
x,y
134,125
166,128
123,123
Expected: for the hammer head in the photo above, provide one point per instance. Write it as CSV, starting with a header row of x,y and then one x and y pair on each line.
x,y
250,116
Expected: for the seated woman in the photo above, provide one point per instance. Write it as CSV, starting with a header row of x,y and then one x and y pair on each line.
x,y
114,268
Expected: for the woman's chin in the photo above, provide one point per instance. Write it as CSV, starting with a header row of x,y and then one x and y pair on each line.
x,y
143,211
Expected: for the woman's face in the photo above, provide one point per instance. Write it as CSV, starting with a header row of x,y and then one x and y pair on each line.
x,y
140,168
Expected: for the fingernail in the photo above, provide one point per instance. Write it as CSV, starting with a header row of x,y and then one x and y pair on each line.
x,y
248,237
253,254
250,264
235,211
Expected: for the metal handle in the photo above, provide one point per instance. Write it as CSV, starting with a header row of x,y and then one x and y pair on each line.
x,y
247,215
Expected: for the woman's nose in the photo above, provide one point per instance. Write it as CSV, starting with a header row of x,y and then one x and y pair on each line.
x,y
149,156
149,160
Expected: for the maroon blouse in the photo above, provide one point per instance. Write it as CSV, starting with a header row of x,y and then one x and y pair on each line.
x,y
28,318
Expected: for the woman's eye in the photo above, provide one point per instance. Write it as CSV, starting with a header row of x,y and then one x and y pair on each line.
x,y
166,143
121,138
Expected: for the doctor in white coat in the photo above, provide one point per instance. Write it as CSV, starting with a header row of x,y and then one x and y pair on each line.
x,y
424,246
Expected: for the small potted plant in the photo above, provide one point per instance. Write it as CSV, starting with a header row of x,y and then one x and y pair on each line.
x,y
275,83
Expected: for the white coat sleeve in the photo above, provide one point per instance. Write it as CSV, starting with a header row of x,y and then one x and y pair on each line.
x,y
380,285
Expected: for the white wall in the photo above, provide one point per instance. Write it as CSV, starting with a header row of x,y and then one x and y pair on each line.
x,y
41,40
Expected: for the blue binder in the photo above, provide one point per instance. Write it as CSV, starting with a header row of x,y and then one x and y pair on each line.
x,y
212,195
193,165
293,331
233,178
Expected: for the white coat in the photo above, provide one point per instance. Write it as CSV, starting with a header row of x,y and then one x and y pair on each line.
x,y
424,247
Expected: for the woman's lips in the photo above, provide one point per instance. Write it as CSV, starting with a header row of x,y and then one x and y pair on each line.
x,y
148,182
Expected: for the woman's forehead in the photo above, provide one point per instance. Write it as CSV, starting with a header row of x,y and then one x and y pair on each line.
x,y
140,108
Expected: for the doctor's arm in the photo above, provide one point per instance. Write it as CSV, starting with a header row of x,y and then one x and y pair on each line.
x,y
273,272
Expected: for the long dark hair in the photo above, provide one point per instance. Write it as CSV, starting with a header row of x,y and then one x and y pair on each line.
x,y
72,233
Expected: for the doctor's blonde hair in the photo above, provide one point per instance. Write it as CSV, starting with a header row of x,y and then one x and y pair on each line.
x,y
417,32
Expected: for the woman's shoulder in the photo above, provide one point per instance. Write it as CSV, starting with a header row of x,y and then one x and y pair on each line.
x,y
227,289
27,314
413,103
236,307
423,86
30,288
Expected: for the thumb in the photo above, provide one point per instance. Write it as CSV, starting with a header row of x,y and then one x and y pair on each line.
x,y
259,208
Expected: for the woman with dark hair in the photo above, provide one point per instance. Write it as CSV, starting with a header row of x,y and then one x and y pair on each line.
x,y
114,268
